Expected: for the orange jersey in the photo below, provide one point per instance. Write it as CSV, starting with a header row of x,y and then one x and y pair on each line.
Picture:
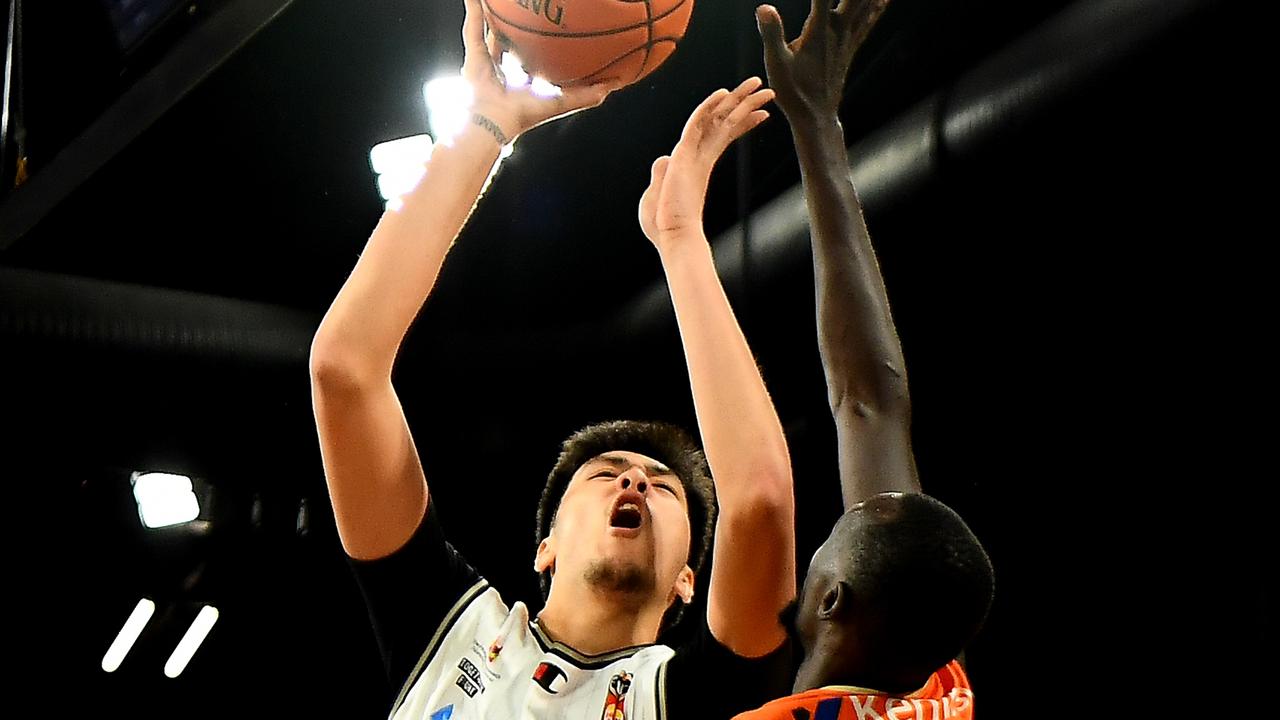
x,y
946,696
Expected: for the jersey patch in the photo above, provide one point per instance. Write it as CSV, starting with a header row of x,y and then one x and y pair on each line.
x,y
546,674
615,703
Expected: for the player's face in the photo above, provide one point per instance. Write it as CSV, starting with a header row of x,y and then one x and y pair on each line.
x,y
623,524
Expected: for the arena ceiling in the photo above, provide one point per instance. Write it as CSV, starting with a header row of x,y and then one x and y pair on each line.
x,y
198,192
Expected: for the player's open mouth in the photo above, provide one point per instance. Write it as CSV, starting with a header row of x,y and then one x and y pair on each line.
x,y
626,515
628,511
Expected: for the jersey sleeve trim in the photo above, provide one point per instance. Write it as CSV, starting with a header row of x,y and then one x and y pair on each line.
x,y
449,619
660,691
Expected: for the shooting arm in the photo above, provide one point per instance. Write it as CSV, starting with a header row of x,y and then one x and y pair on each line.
x,y
375,479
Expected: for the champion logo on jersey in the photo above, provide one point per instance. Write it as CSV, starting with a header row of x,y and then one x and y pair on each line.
x,y
547,673
615,703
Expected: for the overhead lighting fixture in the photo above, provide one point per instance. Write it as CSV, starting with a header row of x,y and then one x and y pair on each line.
x,y
128,635
399,165
190,642
513,70
449,101
164,499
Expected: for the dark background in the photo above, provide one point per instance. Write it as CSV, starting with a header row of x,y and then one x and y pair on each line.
x,y
1077,288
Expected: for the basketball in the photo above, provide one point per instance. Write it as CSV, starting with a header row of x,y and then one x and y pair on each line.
x,y
572,42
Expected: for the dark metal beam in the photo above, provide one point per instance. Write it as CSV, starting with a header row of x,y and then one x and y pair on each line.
x,y
1052,65
206,47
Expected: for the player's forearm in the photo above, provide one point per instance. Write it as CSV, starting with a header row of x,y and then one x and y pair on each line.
x,y
861,354
741,433
371,314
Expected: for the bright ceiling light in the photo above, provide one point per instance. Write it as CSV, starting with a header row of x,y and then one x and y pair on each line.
x,y
190,642
513,71
164,499
449,101
396,155
543,88
128,635
394,184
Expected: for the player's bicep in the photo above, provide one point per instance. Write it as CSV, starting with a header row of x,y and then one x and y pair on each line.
x,y
376,483
752,577
875,454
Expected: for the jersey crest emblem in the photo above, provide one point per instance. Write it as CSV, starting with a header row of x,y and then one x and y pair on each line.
x,y
615,703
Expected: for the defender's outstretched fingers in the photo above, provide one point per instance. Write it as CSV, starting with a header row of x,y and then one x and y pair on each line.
x,y
819,11
863,16
773,35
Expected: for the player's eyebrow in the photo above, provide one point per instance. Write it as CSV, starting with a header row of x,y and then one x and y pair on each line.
x,y
653,468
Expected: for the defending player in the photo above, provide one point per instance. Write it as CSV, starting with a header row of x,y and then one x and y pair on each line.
x,y
627,510
901,585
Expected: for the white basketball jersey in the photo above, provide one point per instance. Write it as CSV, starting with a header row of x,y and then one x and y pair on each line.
x,y
489,662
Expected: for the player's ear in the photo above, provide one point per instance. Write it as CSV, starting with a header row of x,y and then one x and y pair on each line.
x,y
545,558
836,600
684,585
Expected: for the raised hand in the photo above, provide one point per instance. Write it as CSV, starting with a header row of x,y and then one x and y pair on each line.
x,y
809,72
672,205
504,110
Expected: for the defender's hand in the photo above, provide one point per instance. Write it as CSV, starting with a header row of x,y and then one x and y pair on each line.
x,y
514,110
809,72
672,205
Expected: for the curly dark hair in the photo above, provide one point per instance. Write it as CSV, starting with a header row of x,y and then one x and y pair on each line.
x,y
663,442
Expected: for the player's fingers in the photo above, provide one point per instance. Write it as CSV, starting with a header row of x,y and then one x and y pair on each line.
x,y
745,88
734,99
748,124
772,35
862,15
820,11
493,46
749,104
713,101
658,172
737,130
649,200
473,29
576,97
703,114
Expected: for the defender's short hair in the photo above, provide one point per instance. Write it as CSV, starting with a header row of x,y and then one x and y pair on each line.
x,y
925,582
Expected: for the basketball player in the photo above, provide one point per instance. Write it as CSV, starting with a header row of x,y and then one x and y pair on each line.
x,y
901,585
627,511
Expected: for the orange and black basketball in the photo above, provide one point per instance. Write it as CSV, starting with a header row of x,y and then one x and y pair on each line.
x,y
572,42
